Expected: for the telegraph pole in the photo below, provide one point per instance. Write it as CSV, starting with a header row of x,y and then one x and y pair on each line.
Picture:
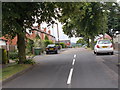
x,y
58,34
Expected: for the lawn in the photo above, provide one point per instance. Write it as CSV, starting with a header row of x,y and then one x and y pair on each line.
x,y
11,70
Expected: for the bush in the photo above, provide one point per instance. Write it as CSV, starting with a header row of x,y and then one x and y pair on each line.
x,y
95,42
13,55
46,42
4,57
29,46
81,41
46,37
29,61
63,45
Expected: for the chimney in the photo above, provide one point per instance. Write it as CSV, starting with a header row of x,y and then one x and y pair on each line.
x,y
49,32
45,29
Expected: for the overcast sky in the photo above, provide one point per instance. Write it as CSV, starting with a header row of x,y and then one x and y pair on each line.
x,y
62,36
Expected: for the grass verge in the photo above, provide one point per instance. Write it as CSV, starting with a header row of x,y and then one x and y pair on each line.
x,y
11,70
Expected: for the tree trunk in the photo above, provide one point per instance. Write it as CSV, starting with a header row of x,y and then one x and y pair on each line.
x,y
21,48
88,43
92,42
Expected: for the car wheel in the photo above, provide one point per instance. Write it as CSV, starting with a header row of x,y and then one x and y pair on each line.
x,y
56,52
97,53
111,53
47,52
94,52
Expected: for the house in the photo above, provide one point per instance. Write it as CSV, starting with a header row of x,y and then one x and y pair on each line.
x,y
7,43
106,36
2,42
67,42
42,33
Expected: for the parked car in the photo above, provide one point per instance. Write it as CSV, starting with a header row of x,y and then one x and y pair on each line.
x,y
103,46
52,48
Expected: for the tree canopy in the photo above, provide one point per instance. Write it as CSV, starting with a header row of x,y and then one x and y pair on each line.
x,y
19,16
85,19
113,18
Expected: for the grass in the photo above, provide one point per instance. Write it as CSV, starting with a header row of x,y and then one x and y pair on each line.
x,y
11,70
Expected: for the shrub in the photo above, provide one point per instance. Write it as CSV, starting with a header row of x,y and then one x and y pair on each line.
x,y
62,44
29,46
39,43
4,57
95,42
46,42
29,61
13,55
81,41
46,37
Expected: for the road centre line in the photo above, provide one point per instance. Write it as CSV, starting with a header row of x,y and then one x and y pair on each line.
x,y
74,55
71,71
70,76
73,62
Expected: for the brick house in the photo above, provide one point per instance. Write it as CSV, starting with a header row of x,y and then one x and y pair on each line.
x,y
31,35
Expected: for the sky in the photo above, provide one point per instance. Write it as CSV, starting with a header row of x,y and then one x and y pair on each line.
x,y
62,36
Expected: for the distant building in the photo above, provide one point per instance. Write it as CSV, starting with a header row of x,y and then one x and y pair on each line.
x,y
67,42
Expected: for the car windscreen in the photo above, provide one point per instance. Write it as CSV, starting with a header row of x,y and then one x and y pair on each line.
x,y
104,42
51,45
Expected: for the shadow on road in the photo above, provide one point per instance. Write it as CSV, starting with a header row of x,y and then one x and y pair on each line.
x,y
104,54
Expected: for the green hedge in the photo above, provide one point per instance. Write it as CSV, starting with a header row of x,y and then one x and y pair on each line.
x,y
4,57
29,46
62,44
13,55
46,42
29,61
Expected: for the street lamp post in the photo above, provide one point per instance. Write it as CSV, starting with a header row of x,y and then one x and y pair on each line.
x,y
58,34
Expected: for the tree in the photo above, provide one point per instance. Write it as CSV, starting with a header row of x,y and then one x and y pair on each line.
x,y
84,19
81,41
29,46
46,37
19,16
113,18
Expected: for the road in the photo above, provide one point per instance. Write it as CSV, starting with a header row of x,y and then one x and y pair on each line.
x,y
73,68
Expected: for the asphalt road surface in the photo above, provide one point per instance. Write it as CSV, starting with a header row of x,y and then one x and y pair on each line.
x,y
73,68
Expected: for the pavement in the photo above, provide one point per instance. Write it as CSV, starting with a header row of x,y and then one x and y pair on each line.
x,y
116,52
110,60
73,68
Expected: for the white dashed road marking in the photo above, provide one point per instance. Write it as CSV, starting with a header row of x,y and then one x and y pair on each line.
x,y
71,71
75,56
73,62
70,76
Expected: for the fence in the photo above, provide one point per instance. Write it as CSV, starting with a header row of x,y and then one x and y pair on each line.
x,y
117,46
9,47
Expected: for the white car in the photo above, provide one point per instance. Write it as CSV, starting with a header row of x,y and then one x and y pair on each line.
x,y
103,46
